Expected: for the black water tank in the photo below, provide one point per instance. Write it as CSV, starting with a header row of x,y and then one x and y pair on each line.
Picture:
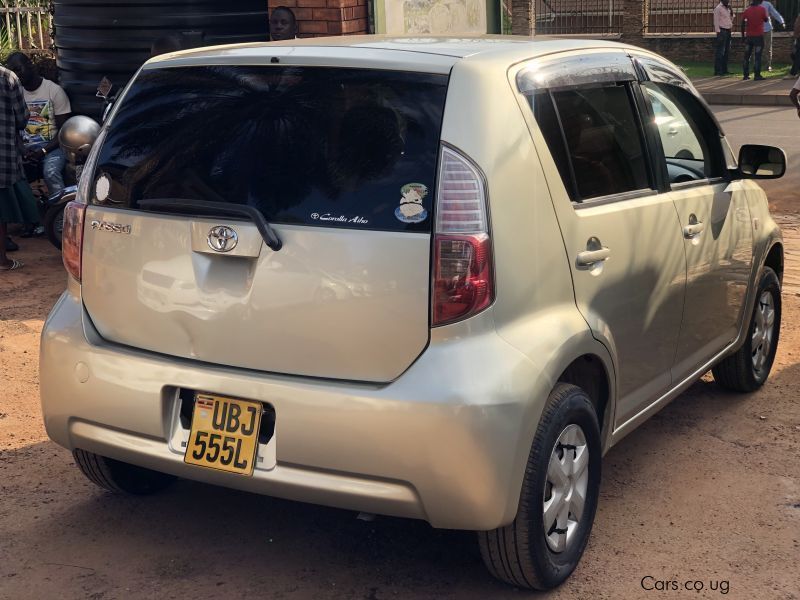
x,y
112,38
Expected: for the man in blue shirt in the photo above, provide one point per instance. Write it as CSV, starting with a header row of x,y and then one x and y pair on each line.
x,y
773,14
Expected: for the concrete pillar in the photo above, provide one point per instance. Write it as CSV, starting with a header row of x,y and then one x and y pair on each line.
x,y
522,19
634,19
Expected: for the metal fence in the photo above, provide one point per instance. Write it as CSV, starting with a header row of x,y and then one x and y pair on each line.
x,y
585,17
25,25
696,16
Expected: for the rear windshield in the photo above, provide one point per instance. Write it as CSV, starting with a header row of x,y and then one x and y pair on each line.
x,y
329,147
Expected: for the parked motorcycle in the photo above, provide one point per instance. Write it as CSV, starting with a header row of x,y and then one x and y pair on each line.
x,y
76,138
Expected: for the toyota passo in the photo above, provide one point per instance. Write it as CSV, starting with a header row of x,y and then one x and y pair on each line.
x,y
429,278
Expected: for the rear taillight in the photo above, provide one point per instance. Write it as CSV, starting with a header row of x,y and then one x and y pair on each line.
x,y
74,213
463,268
72,238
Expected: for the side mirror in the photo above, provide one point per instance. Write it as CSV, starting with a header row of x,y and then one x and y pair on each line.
x,y
761,162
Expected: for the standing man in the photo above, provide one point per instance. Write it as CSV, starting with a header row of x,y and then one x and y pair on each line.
x,y
772,13
17,204
723,23
49,108
753,19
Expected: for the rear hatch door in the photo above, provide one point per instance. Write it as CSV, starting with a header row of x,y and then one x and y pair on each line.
x,y
340,162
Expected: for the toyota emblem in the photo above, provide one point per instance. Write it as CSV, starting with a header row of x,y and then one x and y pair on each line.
x,y
222,239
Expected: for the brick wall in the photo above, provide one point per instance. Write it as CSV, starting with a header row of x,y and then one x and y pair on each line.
x,y
317,18
696,48
689,47
676,47
521,17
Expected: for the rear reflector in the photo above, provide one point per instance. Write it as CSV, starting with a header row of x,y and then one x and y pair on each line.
x,y
72,238
462,284
463,269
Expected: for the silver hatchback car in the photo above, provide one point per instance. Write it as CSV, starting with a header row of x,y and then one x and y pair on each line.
x,y
430,278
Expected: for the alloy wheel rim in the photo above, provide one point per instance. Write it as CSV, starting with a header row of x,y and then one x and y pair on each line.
x,y
565,488
763,332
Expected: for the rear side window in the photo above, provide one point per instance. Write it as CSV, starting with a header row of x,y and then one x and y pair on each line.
x,y
596,132
318,146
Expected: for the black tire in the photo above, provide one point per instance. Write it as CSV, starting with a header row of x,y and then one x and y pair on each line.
x,y
519,553
54,224
119,477
737,372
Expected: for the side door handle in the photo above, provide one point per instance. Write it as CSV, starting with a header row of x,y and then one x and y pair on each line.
x,y
694,228
587,258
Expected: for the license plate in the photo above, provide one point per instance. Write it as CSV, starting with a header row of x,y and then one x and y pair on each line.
x,y
224,434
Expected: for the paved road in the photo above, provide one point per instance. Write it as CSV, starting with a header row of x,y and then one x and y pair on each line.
x,y
776,126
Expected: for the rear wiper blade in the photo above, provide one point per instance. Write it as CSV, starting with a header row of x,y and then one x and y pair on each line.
x,y
214,209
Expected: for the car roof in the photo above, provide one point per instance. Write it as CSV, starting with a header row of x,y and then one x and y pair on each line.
x,y
439,49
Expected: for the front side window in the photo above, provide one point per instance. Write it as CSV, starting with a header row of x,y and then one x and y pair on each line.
x,y
689,138
598,134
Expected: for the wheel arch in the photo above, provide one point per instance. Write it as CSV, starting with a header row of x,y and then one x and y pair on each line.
x,y
774,259
594,376
569,353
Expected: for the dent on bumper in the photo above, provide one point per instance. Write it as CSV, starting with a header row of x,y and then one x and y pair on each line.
x,y
446,442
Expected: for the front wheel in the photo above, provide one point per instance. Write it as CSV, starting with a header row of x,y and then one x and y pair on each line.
x,y
546,540
748,368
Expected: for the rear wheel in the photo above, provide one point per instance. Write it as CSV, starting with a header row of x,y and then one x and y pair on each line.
x,y
545,542
119,477
749,367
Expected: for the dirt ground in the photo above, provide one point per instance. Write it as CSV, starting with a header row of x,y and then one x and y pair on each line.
x,y
708,491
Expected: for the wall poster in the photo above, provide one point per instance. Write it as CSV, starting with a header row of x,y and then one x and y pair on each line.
x,y
444,17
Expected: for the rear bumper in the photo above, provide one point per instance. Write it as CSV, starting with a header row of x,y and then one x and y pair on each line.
x,y
446,442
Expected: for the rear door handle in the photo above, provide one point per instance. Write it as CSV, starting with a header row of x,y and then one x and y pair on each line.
x,y
587,258
693,230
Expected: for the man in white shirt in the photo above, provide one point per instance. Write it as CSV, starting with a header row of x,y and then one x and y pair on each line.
x,y
773,14
49,108
723,23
